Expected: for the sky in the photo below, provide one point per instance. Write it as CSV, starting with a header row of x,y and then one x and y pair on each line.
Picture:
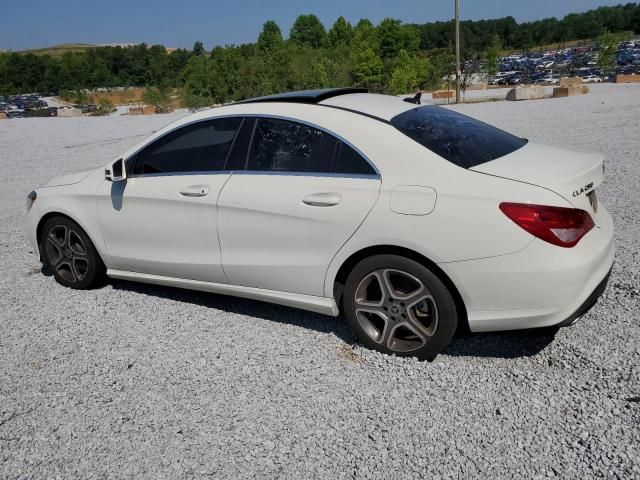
x,y
30,24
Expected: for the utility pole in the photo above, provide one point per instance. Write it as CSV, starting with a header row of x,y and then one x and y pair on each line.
x,y
457,51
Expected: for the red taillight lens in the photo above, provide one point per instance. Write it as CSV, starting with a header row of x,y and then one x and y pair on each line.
x,y
561,226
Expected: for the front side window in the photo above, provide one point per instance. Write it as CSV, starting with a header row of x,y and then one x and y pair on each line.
x,y
283,146
462,140
200,147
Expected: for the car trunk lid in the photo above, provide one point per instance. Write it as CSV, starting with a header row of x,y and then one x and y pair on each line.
x,y
572,175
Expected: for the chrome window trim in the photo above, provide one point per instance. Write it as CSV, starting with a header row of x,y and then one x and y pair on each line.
x,y
257,115
259,172
180,174
370,176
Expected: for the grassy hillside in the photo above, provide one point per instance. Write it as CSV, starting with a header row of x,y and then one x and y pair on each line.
x,y
59,50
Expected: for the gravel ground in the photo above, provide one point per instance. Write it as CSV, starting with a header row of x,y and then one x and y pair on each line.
x,y
139,381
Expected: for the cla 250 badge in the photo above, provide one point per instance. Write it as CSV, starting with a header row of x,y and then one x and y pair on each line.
x,y
586,188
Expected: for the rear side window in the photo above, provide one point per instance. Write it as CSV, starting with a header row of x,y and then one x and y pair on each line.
x,y
280,145
201,147
462,140
350,161
286,146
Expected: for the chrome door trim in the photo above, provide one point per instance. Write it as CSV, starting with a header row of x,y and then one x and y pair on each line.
x,y
255,115
308,174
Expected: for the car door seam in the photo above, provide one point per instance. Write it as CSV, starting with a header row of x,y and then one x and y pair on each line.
x,y
97,207
218,225
375,202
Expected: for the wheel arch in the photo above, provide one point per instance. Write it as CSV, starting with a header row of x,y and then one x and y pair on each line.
x,y
348,265
55,213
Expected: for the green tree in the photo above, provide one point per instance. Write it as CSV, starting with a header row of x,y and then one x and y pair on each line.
x,y
441,68
270,38
366,70
198,48
491,57
607,46
394,36
340,33
158,65
404,78
198,82
307,30
364,33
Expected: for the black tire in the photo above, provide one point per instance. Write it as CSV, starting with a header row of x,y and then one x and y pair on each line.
x,y
68,253
417,317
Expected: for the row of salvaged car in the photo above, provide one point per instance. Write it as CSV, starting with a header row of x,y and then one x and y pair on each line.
x,y
520,78
34,105
547,67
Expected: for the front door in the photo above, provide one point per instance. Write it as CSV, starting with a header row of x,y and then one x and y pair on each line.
x,y
163,219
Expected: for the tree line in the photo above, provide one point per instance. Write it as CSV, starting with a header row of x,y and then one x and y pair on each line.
x,y
391,57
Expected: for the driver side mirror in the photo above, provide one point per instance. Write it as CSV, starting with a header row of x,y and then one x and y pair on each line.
x,y
116,172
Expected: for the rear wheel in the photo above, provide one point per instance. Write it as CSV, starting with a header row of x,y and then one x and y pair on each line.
x,y
398,306
69,254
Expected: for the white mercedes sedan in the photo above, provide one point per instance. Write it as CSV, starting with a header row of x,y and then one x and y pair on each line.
x,y
411,220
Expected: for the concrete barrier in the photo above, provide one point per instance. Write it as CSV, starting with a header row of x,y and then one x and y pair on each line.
x,y
69,112
561,92
570,81
526,92
478,86
3,116
142,110
627,78
438,94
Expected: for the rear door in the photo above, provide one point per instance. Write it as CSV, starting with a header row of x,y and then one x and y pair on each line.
x,y
284,213
162,220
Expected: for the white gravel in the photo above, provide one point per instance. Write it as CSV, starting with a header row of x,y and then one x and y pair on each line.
x,y
148,382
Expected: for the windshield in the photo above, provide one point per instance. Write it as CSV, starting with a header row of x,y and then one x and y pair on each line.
x,y
462,140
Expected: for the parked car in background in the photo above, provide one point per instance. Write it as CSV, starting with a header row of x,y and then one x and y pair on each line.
x,y
412,220
592,79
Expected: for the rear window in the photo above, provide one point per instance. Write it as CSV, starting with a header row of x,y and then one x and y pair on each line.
x,y
462,140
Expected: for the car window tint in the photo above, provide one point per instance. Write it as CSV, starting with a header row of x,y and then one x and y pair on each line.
x,y
350,161
238,156
201,147
462,140
283,146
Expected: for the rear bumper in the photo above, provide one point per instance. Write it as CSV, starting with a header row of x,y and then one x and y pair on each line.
x,y
588,303
540,286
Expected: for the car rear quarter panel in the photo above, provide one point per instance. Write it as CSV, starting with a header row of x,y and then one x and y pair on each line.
x,y
466,222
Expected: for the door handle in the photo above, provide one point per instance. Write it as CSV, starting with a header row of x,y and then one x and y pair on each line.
x,y
195,191
328,199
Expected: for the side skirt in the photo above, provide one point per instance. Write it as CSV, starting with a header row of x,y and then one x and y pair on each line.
x,y
323,305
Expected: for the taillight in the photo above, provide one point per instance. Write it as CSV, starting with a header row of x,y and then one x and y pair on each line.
x,y
557,225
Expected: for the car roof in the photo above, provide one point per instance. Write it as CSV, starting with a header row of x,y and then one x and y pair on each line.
x,y
383,107
305,96
355,100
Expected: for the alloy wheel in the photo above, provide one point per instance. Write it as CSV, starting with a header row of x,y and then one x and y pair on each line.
x,y
396,310
67,253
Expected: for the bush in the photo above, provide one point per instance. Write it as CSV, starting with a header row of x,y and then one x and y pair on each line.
x,y
105,107
74,96
158,97
196,102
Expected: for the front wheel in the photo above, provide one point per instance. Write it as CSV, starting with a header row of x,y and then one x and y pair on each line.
x,y
398,306
69,254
